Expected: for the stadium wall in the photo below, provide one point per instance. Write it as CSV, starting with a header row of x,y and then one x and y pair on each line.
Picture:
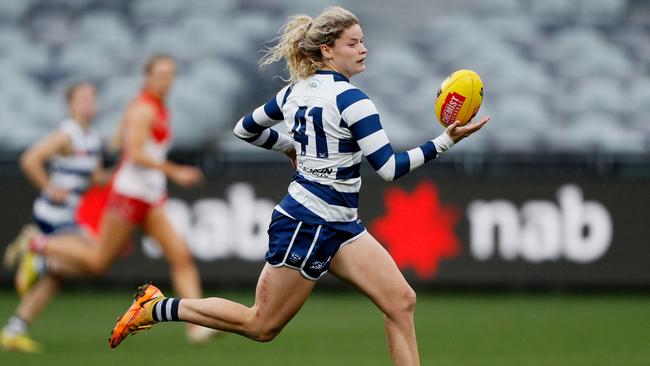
x,y
522,230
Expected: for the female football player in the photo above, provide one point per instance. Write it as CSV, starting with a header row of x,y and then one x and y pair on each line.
x,y
73,151
315,228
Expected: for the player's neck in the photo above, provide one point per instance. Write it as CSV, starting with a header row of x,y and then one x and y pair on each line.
x,y
331,67
155,94
82,121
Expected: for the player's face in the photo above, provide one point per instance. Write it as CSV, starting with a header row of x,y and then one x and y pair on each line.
x,y
348,53
83,103
161,76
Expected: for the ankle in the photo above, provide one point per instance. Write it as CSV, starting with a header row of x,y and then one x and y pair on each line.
x,y
166,310
15,325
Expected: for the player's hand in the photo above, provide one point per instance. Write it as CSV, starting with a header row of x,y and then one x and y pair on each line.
x,y
186,176
458,133
292,157
56,194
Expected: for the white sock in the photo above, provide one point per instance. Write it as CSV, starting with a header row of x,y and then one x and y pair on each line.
x,y
40,265
16,325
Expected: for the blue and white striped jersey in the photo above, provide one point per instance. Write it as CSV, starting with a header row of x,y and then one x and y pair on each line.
x,y
333,124
70,172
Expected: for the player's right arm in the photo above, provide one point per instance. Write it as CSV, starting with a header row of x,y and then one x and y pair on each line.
x,y
255,128
140,119
32,162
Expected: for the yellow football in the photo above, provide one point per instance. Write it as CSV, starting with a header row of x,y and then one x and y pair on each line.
x,y
459,97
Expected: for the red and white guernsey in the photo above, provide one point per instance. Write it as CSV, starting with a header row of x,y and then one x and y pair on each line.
x,y
143,183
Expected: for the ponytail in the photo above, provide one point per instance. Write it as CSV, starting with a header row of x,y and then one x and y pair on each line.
x,y
301,39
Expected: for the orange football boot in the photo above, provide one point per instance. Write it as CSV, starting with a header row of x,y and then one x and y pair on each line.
x,y
139,316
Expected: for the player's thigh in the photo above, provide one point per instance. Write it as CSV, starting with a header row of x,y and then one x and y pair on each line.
x,y
280,293
366,265
157,225
114,232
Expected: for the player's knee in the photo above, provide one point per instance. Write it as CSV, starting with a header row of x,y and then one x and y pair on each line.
x,y
409,300
261,331
266,335
403,303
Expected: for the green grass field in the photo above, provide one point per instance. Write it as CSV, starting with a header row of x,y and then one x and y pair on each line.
x,y
346,329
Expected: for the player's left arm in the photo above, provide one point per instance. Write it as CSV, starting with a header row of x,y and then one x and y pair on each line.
x,y
458,133
362,118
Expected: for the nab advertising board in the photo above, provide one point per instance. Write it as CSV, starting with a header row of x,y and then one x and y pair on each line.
x,y
445,231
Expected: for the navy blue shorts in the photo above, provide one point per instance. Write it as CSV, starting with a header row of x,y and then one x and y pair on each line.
x,y
48,228
308,248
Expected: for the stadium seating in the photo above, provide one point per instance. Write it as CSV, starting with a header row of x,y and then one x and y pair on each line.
x,y
560,75
12,11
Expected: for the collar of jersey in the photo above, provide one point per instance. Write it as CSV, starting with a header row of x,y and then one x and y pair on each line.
x,y
337,75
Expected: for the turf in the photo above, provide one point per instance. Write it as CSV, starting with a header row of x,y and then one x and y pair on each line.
x,y
345,329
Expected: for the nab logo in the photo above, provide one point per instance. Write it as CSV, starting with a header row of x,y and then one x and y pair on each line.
x,y
417,229
574,229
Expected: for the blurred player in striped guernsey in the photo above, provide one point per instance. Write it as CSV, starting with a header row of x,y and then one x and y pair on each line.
x,y
73,151
315,228
137,197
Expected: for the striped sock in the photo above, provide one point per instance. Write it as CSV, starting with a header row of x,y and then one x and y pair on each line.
x,y
166,310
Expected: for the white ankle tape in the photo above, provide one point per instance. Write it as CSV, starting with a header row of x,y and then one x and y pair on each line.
x,y
443,142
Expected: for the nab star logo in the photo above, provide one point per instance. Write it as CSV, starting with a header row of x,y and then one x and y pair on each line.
x,y
417,230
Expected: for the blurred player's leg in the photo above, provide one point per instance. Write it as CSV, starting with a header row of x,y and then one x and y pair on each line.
x,y
37,298
64,269
14,337
91,259
15,333
31,267
184,274
36,289
365,264
280,293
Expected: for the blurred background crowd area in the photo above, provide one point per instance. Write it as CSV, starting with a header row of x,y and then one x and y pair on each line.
x,y
561,76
